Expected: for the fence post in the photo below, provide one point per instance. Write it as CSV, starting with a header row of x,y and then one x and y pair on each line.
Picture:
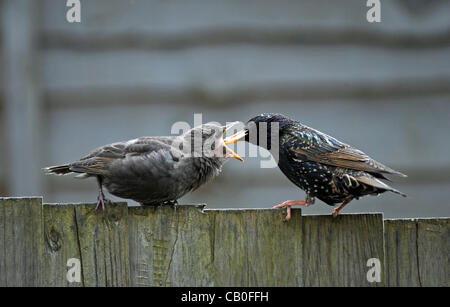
x,y
190,246
336,250
21,241
417,252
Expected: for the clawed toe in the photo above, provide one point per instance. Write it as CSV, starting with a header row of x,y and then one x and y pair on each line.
x,y
335,213
280,206
287,204
288,210
101,200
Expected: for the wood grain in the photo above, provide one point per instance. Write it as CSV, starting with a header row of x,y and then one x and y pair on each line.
x,y
417,252
103,243
61,244
153,233
192,246
21,242
248,253
336,250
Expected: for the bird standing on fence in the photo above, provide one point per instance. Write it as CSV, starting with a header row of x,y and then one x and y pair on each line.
x,y
154,170
319,164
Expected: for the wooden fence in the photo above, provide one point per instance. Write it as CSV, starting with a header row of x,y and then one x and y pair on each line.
x,y
192,246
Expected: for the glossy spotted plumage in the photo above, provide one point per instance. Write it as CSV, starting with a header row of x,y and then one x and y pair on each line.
x,y
321,165
327,168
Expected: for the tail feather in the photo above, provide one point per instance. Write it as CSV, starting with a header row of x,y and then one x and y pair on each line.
x,y
397,173
398,192
372,181
58,170
387,170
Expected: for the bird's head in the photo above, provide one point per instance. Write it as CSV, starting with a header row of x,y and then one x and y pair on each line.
x,y
261,130
207,141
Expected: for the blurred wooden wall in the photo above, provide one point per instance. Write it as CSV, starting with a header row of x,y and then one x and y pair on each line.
x,y
133,68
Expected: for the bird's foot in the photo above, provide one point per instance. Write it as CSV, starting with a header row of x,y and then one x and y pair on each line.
x,y
338,209
174,203
102,200
335,212
287,204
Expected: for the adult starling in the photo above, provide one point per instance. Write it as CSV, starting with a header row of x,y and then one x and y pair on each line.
x,y
319,164
154,170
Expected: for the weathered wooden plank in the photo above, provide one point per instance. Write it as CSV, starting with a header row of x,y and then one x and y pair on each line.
x,y
248,251
171,247
336,250
21,241
230,253
273,248
104,245
193,253
417,252
153,233
433,241
401,253
139,238
61,244
191,247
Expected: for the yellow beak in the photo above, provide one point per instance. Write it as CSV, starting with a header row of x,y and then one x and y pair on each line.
x,y
232,153
234,138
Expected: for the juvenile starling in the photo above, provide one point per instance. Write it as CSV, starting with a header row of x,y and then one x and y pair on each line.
x,y
319,164
154,170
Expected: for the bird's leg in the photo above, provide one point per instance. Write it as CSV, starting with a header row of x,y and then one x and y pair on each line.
x,y
338,209
174,203
288,203
101,199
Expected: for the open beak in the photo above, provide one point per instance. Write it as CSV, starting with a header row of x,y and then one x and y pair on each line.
x,y
236,137
232,153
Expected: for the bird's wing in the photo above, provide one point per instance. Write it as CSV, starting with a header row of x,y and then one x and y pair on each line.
x,y
100,159
316,146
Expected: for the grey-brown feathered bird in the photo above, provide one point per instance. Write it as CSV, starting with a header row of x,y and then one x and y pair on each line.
x,y
319,164
154,170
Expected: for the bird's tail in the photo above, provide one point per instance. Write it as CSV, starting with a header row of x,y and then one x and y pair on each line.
x,y
397,192
58,170
381,168
372,181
